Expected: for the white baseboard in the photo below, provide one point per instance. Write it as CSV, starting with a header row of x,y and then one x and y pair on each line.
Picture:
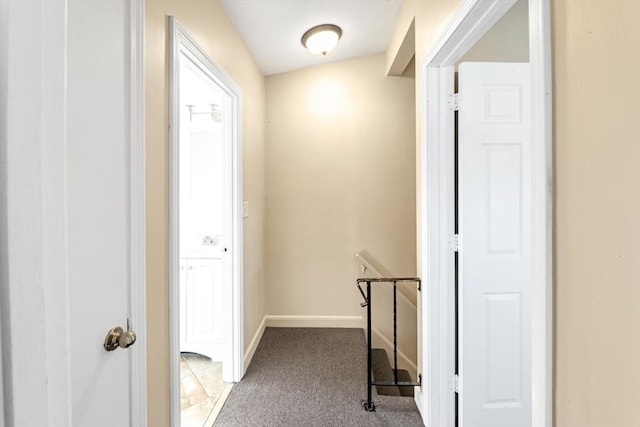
x,y
248,354
403,360
315,321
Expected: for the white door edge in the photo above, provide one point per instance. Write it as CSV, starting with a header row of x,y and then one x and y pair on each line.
x,y
472,20
137,215
233,365
4,18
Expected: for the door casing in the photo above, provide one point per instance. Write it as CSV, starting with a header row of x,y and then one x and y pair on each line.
x,y
233,365
471,21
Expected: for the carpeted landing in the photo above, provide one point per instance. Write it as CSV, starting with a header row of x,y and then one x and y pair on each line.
x,y
311,377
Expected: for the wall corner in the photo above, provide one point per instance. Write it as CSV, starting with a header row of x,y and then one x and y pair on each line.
x,y
402,48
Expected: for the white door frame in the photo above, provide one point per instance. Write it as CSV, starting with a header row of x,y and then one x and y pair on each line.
x,y
182,43
36,359
468,25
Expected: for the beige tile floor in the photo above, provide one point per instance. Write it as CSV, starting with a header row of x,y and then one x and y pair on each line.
x,y
200,387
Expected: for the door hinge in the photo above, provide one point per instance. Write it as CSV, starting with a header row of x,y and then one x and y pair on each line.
x,y
457,384
454,102
456,243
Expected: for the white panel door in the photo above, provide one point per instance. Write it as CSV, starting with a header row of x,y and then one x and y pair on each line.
x,y
98,209
495,254
75,203
201,296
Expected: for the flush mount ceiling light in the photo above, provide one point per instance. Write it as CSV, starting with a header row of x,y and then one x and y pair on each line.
x,y
322,39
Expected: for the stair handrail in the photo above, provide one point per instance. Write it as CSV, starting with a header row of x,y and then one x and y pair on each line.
x,y
368,266
368,404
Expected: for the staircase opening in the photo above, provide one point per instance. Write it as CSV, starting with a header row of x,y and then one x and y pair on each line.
x,y
383,372
389,380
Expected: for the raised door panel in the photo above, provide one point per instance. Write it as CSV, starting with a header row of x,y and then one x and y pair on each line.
x,y
203,296
495,255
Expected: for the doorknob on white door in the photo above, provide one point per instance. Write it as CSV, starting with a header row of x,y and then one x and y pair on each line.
x,y
117,337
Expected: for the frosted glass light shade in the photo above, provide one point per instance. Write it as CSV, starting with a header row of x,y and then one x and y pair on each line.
x,y
322,39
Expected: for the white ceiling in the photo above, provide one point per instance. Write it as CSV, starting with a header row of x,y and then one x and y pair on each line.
x,y
272,29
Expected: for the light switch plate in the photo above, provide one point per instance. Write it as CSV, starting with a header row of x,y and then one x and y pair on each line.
x,y
245,209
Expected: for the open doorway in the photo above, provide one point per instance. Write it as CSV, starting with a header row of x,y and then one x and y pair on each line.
x,y
205,233
503,196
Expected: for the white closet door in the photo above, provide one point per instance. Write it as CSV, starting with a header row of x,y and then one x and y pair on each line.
x,y
495,255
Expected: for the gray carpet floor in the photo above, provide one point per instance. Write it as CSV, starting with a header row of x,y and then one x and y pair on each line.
x,y
311,377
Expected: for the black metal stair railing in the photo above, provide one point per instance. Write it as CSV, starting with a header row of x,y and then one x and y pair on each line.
x,y
368,404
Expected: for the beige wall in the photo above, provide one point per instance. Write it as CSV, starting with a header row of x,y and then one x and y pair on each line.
x,y
596,106
430,19
597,212
506,41
597,204
208,24
340,179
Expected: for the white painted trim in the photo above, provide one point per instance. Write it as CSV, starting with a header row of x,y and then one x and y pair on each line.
x,y
174,241
34,305
136,200
251,350
437,339
55,230
233,365
471,21
403,360
4,251
314,321
542,221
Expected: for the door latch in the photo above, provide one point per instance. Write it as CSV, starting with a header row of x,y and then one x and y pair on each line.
x,y
117,337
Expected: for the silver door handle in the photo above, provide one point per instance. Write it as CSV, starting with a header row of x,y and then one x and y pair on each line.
x,y
117,337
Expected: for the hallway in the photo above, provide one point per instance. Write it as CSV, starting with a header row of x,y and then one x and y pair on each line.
x,y
311,377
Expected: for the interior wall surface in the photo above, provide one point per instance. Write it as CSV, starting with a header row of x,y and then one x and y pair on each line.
x,y
431,18
340,179
596,103
506,41
208,24
596,63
